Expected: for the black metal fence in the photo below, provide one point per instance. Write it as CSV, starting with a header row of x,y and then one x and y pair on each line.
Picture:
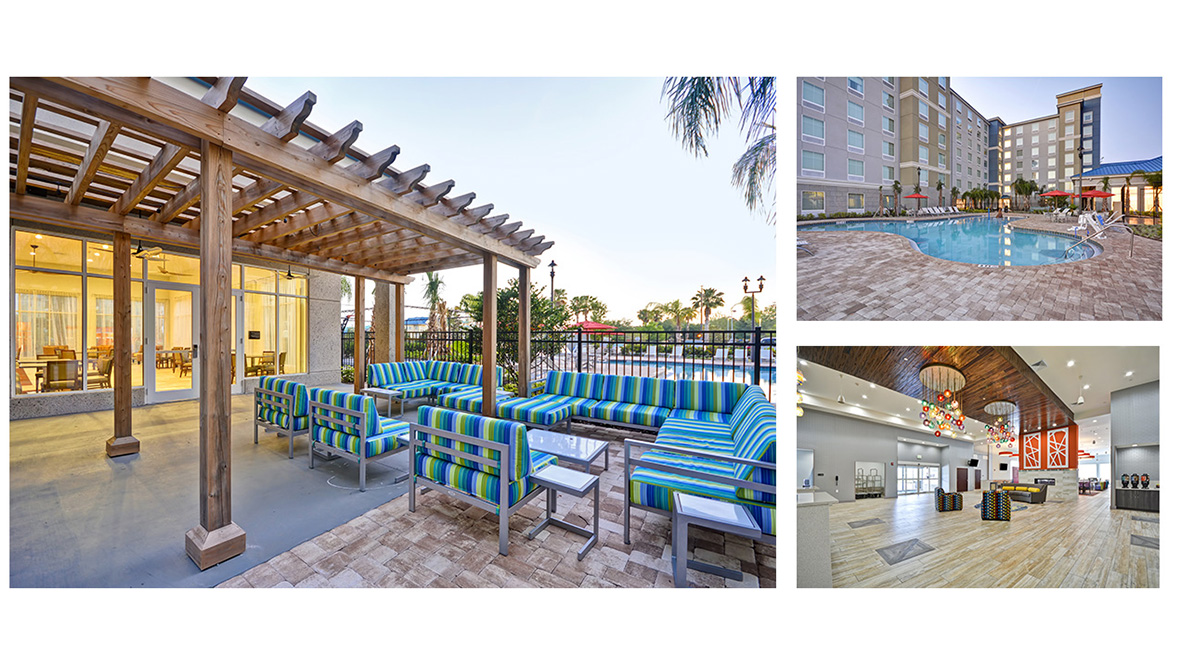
x,y
737,356
348,345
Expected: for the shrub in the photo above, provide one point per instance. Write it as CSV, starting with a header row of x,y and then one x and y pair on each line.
x,y
347,375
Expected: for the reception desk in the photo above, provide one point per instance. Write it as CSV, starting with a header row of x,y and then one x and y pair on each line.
x,y
813,539
1147,500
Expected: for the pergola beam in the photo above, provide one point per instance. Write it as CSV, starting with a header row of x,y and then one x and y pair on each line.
x,y
155,107
151,177
103,138
28,115
33,208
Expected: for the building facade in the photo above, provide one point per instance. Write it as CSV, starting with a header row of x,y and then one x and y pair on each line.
x,y
858,136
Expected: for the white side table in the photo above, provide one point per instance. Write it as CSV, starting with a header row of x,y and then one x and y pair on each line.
x,y
555,478
689,510
388,395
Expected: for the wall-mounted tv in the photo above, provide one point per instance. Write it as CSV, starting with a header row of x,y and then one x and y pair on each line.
x,y
973,462
1003,466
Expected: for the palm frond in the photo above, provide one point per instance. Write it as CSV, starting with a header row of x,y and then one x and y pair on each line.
x,y
755,170
696,106
757,100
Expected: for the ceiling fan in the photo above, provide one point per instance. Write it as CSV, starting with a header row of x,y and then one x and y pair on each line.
x,y
146,253
163,268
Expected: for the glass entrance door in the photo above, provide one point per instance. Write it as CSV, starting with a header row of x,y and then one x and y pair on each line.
x,y
917,479
171,350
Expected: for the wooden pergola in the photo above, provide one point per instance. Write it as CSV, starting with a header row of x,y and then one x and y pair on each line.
x,y
137,158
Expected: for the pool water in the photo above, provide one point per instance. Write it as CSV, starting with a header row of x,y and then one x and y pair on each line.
x,y
976,240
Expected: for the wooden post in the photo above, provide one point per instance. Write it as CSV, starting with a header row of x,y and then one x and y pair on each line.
x,y
524,293
399,322
489,334
217,538
358,343
122,442
382,320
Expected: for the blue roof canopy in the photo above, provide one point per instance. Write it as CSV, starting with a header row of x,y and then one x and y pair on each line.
x,y
1126,167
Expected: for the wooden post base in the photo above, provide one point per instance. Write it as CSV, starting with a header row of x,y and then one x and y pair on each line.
x,y
210,548
122,445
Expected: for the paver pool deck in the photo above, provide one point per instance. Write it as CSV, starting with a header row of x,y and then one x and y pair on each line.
x,y
860,275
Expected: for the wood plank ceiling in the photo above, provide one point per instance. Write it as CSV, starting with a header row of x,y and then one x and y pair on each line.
x,y
992,372
107,153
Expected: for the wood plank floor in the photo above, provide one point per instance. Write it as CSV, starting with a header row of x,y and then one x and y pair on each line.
x,y
1071,544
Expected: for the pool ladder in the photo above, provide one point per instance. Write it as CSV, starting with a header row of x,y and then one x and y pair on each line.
x,y
1113,223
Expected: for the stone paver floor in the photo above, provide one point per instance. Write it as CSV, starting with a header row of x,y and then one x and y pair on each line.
x,y
446,543
858,275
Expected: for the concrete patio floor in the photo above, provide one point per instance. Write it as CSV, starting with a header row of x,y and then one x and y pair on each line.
x,y
858,275
80,519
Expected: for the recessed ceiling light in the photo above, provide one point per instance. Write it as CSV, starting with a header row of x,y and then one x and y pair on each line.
x,y
864,396
907,410
872,386
1069,364
1129,373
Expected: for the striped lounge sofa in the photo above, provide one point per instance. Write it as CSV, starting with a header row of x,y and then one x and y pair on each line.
x,y
716,447
996,506
416,379
947,502
347,425
483,461
280,406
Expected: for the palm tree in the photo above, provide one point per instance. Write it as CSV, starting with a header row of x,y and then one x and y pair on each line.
x,y
706,300
345,287
581,304
896,195
880,198
1106,188
747,303
1127,190
939,188
432,289
955,196
1155,180
696,107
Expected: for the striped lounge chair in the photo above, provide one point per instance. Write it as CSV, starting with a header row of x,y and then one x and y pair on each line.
x,y
482,461
347,425
710,401
996,506
733,462
280,406
947,502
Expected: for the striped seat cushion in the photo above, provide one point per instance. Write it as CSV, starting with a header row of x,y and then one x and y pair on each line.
x,y
700,415
414,370
635,390
571,384
276,408
693,429
279,417
534,410
512,434
386,439
354,402
418,388
705,395
476,483
758,443
692,441
581,405
469,400
654,488
443,372
629,413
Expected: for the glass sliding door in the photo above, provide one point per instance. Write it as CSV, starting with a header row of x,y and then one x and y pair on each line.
x,y
170,364
912,478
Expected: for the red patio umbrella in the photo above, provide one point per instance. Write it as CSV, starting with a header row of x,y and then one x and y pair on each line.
x,y
916,196
596,328
1096,193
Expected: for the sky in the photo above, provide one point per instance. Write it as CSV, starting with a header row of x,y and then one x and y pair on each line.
x,y
1132,108
590,163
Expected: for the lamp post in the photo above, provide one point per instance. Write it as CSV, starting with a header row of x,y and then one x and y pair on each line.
x,y
552,274
752,293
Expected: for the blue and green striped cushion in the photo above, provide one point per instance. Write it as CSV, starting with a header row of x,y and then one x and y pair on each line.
x,y
581,405
654,488
356,402
476,483
490,429
384,374
469,400
689,429
752,397
534,410
570,384
283,386
414,370
758,444
712,396
279,417
700,415
716,445
419,388
389,430
470,374
629,413
636,390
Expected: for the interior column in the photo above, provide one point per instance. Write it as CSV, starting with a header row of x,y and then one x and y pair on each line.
x,y
524,292
217,538
489,334
122,442
358,337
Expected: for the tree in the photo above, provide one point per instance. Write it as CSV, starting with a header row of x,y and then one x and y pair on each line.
x,y
678,312
696,108
955,196
706,300
345,287
939,188
1155,180
880,198
648,315
747,303
896,196
436,346
1106,188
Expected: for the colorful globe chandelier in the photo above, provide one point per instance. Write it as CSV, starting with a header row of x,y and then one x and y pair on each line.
x,y
799,380
1003,427
941,410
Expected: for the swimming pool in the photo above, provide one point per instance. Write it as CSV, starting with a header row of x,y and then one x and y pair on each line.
x,y
975,240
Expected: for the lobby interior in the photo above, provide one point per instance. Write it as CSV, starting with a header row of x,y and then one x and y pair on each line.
x,y
1072,433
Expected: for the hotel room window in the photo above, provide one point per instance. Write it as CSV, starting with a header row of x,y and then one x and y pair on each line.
x,y
923,110
941,160
812,201
812,163
1069,145
1052,175
942,141
856,142
941,121
1019,142
889,80
924,87
887,174
1052,162
856,202
1008,143
1069,130
813,94
923,154
856,85
1088,117
887,124
1087,159
812,130
1088,130
1036,151
1088,144
887,149
887,100
1069,116
942,82
942,101
856,113
856,170
923,133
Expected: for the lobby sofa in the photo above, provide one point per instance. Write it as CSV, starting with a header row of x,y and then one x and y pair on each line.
x,y
1026,493
947,502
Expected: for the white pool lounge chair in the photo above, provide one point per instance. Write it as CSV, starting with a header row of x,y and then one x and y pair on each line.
x,y
804,245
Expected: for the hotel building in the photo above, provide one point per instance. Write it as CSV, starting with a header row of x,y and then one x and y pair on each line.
x,y
858,135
